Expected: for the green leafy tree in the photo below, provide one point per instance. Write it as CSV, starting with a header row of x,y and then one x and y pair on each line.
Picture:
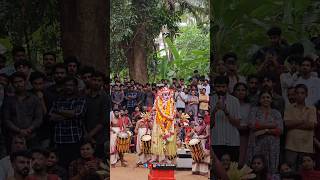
x,y
241,26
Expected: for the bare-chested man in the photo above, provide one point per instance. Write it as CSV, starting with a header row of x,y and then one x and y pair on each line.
x,y
116,126
142,128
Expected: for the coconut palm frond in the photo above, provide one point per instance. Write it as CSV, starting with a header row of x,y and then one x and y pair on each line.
x,y
240,174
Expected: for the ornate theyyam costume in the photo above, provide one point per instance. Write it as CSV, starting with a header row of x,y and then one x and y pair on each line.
x,y
163,132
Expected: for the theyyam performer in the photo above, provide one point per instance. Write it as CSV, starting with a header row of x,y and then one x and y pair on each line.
x,y
164,146
143,131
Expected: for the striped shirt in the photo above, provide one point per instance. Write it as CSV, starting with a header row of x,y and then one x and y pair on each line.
x,y
224,133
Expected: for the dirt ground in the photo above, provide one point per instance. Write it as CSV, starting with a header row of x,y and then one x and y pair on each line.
x,y
132,172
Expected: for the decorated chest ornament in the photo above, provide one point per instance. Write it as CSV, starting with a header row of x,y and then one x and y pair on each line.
x,y
165,113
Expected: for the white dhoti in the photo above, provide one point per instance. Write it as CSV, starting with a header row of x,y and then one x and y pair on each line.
x,y
202,167
114,156
142,158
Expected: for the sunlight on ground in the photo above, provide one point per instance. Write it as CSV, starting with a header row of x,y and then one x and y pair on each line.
x,y
131,172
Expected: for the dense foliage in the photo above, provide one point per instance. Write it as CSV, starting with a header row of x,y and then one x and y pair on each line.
x,y
32,24
190,50
125,18
241,26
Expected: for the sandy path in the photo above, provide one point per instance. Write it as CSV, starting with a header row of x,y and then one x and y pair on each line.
x,y
132,173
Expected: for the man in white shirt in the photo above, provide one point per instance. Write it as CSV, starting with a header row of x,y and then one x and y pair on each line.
x,y
180,98
306,78
226,110
205,85
288,78
6,170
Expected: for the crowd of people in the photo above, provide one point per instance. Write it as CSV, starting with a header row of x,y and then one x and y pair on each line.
x,y
269,120
131,101
53,119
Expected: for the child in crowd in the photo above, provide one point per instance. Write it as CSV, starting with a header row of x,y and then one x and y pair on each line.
x,y
308,171
53,167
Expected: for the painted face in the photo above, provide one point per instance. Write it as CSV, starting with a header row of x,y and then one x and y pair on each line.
x,y
166,96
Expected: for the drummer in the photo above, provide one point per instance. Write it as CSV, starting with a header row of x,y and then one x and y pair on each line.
x,y
116,126
143,127
201,131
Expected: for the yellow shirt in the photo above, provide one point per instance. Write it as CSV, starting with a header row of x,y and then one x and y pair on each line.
x,y
300,140
203,105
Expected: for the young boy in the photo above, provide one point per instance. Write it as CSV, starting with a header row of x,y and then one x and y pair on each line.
x,y
307,168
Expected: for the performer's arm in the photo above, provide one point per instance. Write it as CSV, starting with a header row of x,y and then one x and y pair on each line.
x,y
136,128
129,122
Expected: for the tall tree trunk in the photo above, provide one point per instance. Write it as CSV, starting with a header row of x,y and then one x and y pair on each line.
x,y
84,31
137,57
